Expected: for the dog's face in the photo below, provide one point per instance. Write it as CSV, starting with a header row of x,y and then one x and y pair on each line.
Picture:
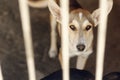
x,y
80,31
81,24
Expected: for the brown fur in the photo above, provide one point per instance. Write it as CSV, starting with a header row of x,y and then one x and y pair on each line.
x,y
80,18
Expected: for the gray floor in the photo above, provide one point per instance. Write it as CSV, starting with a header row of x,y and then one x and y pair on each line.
x,y
12,55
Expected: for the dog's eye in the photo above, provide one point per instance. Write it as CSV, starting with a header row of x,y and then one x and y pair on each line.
x,y
73,27
88,27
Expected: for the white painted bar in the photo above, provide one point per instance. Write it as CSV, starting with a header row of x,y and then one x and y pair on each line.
x,y
65,39
25,19
1,76
101,39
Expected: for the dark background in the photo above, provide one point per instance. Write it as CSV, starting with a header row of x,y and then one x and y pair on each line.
x,y
12,54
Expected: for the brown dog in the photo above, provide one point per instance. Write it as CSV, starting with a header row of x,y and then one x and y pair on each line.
x,y
81,26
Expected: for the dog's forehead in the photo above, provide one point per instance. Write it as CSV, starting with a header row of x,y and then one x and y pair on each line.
x,y
75,22
81,18
80,15
81,24
86,22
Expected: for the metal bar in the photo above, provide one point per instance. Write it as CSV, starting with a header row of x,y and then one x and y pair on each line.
x,y
65,41
25,19
101,39
1,76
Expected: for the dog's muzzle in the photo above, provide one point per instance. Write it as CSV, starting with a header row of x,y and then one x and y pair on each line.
x,y
80,47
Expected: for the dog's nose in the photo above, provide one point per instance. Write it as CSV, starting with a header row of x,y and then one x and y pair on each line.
x,y
80,47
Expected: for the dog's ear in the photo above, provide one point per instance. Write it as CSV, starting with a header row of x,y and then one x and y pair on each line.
x,y
54,9
96,13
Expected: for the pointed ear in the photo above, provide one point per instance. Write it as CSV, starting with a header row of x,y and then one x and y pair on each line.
x,y
54,9
96,13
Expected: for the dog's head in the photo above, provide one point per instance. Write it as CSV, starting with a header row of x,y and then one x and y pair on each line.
x,y
81,24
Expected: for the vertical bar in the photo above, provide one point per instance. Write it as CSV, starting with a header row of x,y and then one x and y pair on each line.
x,y
65,47
24,10
1,76
101,39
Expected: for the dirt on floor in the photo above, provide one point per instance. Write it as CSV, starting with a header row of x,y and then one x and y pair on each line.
x,y
12,53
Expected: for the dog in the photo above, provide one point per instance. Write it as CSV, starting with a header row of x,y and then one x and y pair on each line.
x,y
81,24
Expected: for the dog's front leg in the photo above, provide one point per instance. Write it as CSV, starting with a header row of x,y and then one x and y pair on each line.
x,y
81,61
53,43
60,58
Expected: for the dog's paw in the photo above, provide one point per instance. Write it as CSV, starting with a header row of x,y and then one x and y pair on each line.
x,y
52,53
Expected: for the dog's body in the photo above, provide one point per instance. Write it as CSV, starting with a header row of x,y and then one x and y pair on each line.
x,y
81,25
